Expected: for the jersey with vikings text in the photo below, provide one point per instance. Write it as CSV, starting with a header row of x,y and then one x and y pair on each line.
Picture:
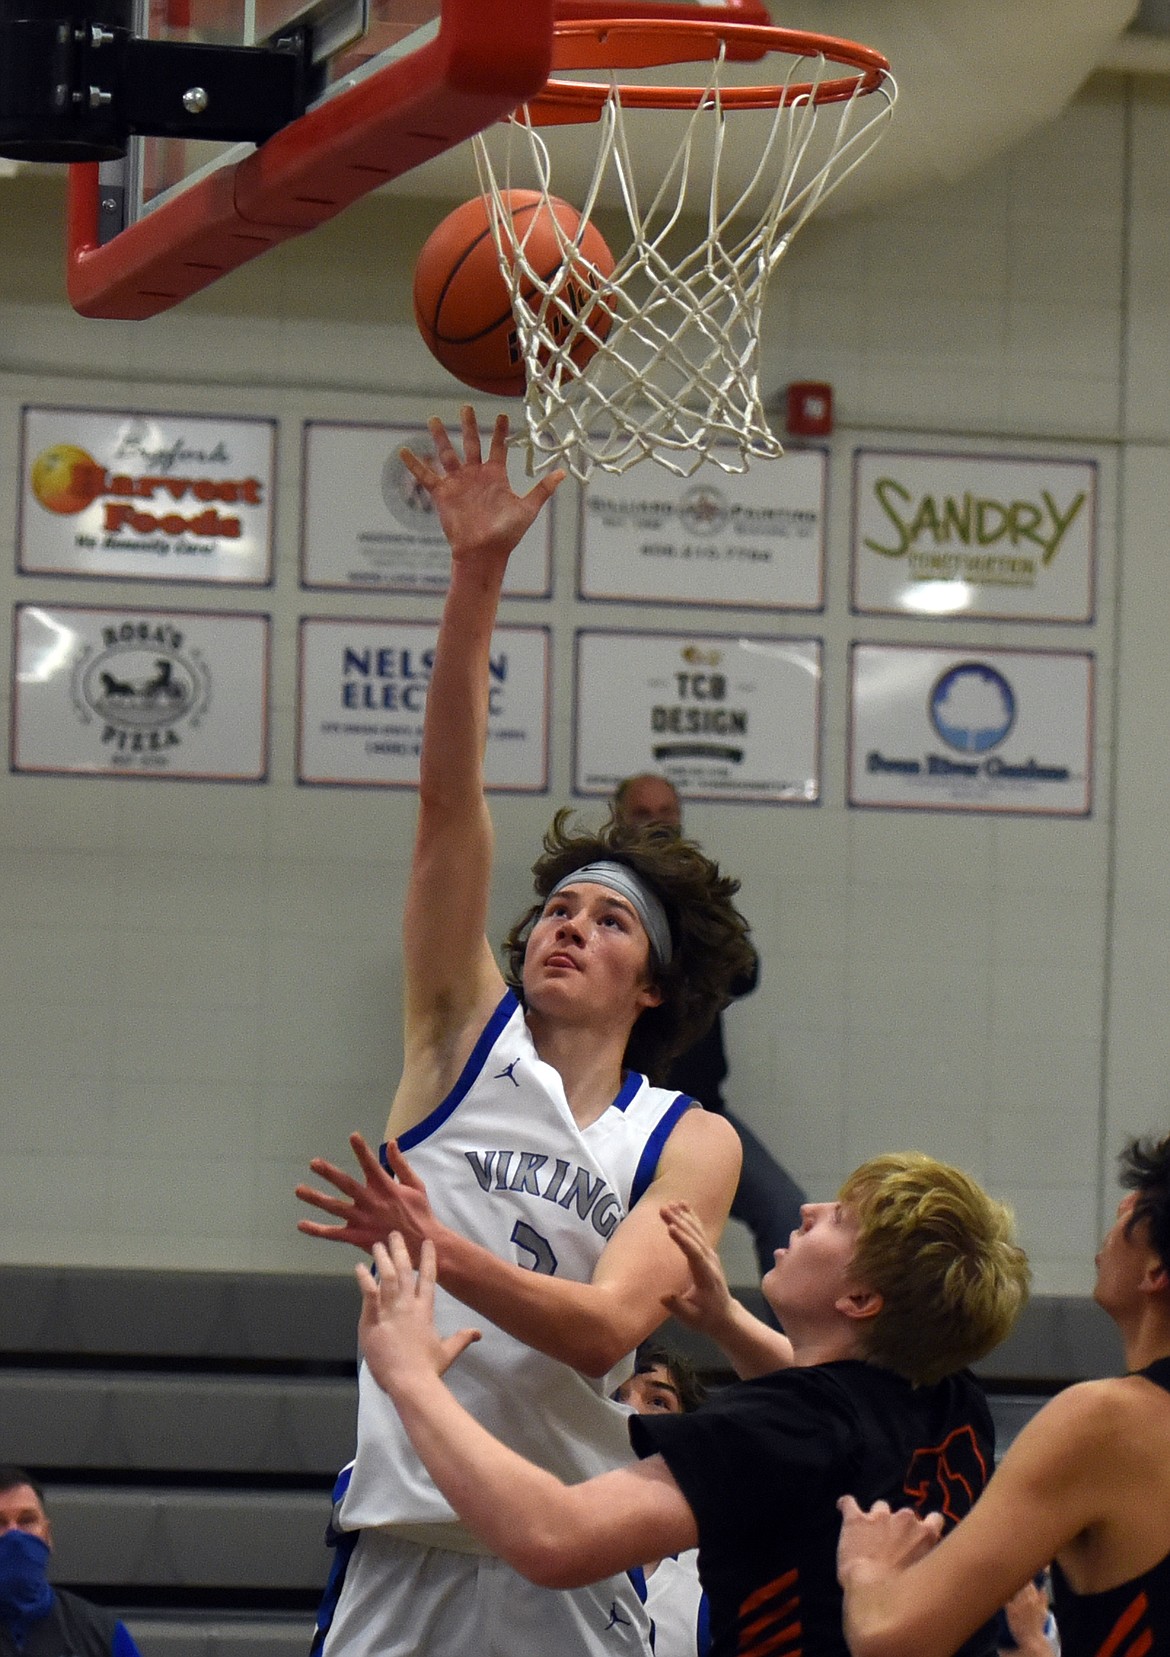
x,y
506,1165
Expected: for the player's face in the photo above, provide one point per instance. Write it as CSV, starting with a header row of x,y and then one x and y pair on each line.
x,y
1122,1258
589,952
652,1392
651,800
816,1269
20,1509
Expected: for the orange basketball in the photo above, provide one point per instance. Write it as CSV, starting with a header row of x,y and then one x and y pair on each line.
x,y
461,301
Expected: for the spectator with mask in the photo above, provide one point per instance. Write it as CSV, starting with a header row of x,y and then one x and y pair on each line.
x,y
36,1619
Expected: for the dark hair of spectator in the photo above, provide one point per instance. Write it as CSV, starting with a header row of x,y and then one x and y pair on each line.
x,y
1145,1168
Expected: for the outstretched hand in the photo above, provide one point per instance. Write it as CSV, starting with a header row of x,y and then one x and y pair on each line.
x,y
881,1543
397,1327
481,514
707,1302
370,1210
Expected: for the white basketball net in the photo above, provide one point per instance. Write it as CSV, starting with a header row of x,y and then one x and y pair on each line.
x,y
675,378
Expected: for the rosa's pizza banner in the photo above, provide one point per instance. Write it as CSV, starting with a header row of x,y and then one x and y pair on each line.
x,y
367,525
752,540
153,497
146,693
971,730
974,535
723,717
363,693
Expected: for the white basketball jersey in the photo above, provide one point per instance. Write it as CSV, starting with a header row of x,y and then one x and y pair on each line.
x,y
506,1165
674,1601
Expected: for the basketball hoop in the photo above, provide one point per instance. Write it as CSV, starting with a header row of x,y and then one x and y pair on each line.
x,y
673,376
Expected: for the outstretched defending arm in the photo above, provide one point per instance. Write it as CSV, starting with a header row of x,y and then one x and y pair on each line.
x,y
560,1536
708,1304
452,980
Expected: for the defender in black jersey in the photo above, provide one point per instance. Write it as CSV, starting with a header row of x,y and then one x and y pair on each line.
x,y
1086,1485
885,1295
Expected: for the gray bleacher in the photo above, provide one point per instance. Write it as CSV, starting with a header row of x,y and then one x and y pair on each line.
x,y
187,1427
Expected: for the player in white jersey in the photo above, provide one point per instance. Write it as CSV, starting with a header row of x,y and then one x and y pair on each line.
x,y
539,1158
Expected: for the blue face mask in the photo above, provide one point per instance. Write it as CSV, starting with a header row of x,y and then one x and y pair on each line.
x,y
25,1594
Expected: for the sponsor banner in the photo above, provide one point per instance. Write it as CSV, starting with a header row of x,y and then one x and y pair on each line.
x,y
974,535
971,730
753,540
725,718
363,692
147,693
153,497
368,526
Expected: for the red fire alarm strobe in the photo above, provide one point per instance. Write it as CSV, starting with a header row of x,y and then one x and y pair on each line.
x,y
809,409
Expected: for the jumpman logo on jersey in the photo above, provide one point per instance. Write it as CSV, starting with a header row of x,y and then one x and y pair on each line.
x,y
508,1071
616,1620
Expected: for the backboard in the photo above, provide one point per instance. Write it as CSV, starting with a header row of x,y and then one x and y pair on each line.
x,y
392,83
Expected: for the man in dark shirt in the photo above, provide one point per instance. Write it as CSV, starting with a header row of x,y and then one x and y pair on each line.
x,y
885,1294
767,1199
37,1620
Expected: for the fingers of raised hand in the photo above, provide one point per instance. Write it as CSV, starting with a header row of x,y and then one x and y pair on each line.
x,y
472,452
445,451
421,470
318,1199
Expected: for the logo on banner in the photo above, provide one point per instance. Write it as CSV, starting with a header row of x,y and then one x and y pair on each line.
x,y
699,709
67,480
972,537
972,707
145,687
704,509
407,502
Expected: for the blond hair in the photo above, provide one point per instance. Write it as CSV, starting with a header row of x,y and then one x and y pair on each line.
x,y
942,1254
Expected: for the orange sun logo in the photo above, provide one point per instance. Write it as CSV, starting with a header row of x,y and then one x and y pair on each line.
x,y
66,479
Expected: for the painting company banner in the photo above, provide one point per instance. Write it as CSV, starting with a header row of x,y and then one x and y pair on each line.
x,y
145,693
971,730
753,540
367,525
974,535
154,497
363,691
725,718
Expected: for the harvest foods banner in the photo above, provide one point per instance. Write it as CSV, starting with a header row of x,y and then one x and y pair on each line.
x,y
974,535
363,692
725,718
971,730
755,540
156,497
368,526
148,693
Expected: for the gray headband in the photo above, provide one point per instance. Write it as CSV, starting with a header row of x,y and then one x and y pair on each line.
x,y
646,903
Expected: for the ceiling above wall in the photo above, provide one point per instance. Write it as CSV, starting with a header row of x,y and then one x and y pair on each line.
x,y
972,80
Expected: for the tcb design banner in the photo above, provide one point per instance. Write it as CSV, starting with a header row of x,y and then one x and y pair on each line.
x,y
943,535
724,717
368,526
363,693
154,497
971,730
166,694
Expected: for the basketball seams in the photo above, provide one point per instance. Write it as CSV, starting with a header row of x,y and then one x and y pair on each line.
x,y
458,274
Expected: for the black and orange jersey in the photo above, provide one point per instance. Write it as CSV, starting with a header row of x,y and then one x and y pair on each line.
x,y
762,1466
1133,1618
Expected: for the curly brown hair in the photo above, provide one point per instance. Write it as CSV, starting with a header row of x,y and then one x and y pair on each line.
x,y
709,935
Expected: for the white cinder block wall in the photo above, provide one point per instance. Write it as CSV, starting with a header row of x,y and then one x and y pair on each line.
x,y
199,985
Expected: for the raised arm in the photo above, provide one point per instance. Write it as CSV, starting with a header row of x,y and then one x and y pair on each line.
x,y
452,980
1050,1489
707,1304
590,1326
557,1535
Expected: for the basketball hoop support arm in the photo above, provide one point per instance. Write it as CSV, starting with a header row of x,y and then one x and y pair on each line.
x,y
488,57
